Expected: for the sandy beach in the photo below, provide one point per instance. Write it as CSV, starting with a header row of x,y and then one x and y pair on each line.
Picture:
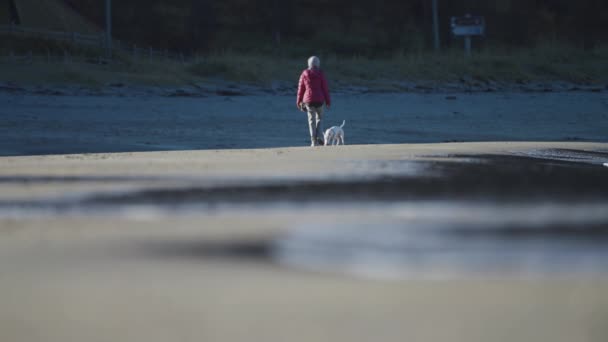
x,y
119,247
147,218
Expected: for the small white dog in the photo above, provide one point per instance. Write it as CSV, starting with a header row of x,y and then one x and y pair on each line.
x,y
334,135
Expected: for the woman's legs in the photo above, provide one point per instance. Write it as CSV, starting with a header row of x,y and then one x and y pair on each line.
x,y
315,114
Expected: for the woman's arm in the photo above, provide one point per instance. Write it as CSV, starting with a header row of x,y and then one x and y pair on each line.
x,y
325,90
301,90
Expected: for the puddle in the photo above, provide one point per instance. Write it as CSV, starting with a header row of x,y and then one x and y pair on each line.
x,y
259,250
434,239
525,240
437,240
576,156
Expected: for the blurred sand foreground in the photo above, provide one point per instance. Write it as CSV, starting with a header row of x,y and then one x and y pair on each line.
x,y
145,275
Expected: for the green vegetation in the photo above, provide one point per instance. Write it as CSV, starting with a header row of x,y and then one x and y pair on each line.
x,y
21,45
550,62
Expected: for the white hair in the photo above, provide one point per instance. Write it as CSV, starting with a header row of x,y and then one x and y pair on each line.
x,y
314,61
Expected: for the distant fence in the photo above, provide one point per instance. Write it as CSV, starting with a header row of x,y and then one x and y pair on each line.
x,y
137,52
73,37
94,40
65,58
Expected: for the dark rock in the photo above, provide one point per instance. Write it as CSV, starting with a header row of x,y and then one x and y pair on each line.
x,y
229,92
426,87
11,88
184,92
48,91
467,79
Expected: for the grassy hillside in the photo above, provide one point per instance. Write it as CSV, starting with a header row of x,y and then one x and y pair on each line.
x,y
550,62
546,63
52,15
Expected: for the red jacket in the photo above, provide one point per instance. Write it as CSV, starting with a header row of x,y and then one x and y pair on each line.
x,y
313,87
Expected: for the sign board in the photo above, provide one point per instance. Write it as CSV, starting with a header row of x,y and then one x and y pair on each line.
x,y
468,25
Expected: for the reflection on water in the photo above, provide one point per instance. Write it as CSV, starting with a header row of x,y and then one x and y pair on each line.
x,y
441,239
531,222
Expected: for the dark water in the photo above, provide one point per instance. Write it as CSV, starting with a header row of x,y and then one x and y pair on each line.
x,y
32,124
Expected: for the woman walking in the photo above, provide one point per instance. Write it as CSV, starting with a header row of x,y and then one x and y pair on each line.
x,y
312,94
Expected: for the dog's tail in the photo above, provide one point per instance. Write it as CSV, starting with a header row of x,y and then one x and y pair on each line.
x,y
343,122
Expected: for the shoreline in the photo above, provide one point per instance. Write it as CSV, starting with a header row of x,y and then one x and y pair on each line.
x,y
223,88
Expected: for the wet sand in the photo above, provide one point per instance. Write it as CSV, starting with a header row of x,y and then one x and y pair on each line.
x,y
117,247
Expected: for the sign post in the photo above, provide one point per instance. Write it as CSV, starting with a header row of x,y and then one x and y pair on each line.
x,y
467,27
467,45
109,29
435,26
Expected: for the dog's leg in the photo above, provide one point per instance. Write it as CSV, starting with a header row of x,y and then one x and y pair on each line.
x,y
342,138
331,138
